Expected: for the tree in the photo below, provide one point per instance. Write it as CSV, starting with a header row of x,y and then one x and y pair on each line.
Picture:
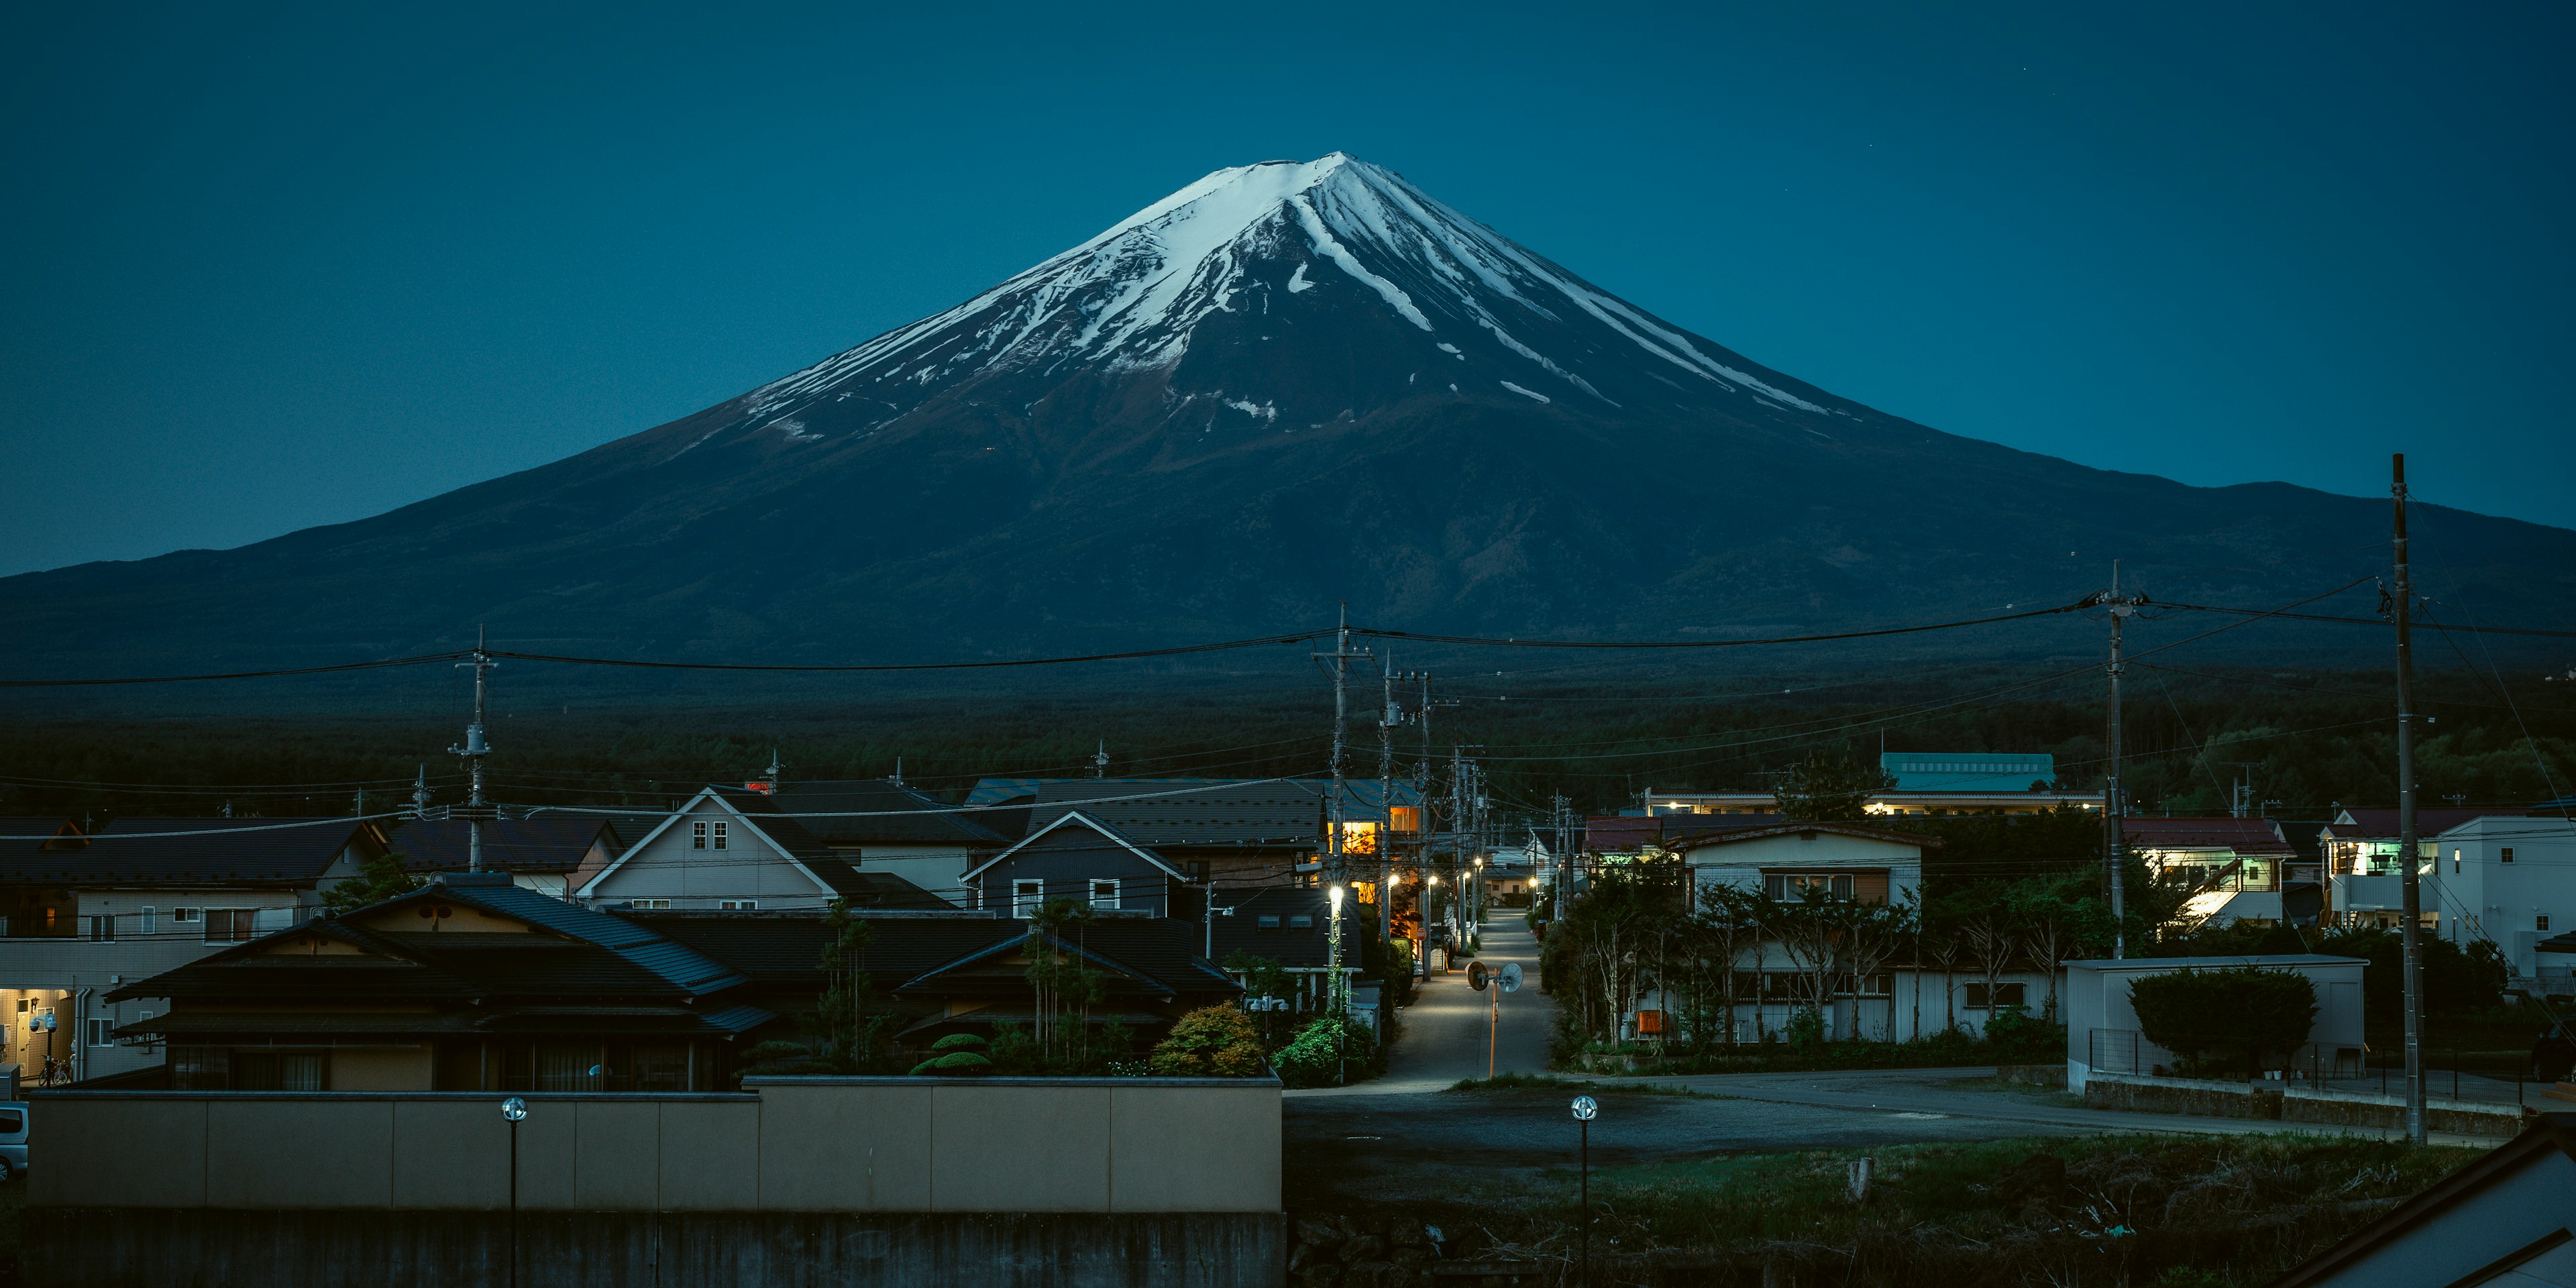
x,y
2053,920
1828,789
1986,923
1062,987
841,1037
1730,920
1211,1042
2243,1010
382,878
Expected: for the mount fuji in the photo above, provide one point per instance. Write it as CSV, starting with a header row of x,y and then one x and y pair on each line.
x,y
1284,385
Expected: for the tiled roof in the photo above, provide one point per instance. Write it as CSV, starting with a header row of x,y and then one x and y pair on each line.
x,y
2428,822
2242,835
203,851
877,812
1190,812
554,843
1619,833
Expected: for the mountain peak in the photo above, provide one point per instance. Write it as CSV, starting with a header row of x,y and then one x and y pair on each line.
x,y
1261,255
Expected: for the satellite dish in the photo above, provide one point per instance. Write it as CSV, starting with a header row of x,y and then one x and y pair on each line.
x,y
1476,976
1510,977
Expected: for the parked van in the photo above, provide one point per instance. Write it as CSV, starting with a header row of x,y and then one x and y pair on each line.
x,y
13,1139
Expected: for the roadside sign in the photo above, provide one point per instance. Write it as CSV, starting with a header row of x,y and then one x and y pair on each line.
x,y
1584,1108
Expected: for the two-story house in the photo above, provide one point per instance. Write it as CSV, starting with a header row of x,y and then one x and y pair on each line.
x,y
2509,879
2363,881
2236,868
737,849
1075,856
89,909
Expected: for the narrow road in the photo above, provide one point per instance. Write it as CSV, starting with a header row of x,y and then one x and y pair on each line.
x,y
1445,1030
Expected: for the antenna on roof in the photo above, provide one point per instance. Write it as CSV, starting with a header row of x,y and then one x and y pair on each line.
x,y
420,794
772,771
1100,760
898,771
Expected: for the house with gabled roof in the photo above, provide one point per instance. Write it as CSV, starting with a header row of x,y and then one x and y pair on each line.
x,y
87,906
539,853
2236,869
1076,856
736,849
471,983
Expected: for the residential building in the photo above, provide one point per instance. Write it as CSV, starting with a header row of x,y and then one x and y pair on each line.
x,y
2510,880
2236,868
1228,832
956,971
472,983
539,853
1926,783
2499,1222
87,910
1289,926
879,826
735,849
1075,856
1838,860
2363,881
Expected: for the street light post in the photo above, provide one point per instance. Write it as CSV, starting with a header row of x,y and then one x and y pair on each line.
x,y
515,1110
1584,1108
1341,998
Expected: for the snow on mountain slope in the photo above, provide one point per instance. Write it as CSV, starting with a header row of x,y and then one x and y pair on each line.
x,y
1259,241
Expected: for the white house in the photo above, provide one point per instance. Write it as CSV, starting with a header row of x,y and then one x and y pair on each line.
x,y
1842,860
2102,1033
2507,879
732,849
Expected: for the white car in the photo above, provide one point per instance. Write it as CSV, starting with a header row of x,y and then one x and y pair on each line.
x,y
13,1138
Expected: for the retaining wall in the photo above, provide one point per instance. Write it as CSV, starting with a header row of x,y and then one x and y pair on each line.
x,y
2293,1103
1042,1182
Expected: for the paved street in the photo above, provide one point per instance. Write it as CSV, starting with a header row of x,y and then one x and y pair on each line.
x,y
1445,1028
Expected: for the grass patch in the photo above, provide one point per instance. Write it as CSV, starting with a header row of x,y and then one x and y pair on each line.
x,y
2131,1208
1580,1086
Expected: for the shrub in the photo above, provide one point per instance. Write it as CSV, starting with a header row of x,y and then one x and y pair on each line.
x,y
2245,1011
2011,1031
955,1064
1212,1042
1315,1057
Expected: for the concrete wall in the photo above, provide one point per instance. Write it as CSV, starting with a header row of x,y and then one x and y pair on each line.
x,y
1096,1145
2097,1003
160,1248
2293,1103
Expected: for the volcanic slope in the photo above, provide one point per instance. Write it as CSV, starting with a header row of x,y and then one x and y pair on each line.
x,y
1284,385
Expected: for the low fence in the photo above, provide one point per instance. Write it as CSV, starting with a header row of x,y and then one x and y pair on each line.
x,y
2292,1102
1035,1181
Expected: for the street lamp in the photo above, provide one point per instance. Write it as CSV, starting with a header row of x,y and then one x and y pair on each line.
x,y
1341,999
515,1110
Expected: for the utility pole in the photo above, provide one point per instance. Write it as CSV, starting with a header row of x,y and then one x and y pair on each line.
x,y
2409,884
2115,830
1333,810
1100,760
473,752
1389,715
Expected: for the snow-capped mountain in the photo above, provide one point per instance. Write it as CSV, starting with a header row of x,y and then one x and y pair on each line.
x,y
1284,385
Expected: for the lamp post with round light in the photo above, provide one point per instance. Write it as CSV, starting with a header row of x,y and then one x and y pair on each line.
x,y
516,1111
1341,1002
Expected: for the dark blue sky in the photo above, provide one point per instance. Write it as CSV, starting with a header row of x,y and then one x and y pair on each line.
x,y
275,271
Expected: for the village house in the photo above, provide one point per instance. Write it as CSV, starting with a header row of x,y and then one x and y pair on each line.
x,y
472,983
2360,853
2237,869
540,853
86,910
1925,783
1074,856
735,849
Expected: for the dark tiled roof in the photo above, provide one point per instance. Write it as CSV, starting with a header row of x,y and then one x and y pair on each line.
x,y
554,843
1618,833
789,950
874,889
189,852
2243,835
881,813
1864,831
1190,812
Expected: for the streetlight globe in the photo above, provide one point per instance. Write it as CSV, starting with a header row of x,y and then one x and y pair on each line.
x,y
1337,898
1433,879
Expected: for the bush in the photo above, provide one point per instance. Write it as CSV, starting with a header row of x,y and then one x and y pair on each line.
x,y
955,1064
1212,1042
2245,1011
1315,1057
2012,1032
